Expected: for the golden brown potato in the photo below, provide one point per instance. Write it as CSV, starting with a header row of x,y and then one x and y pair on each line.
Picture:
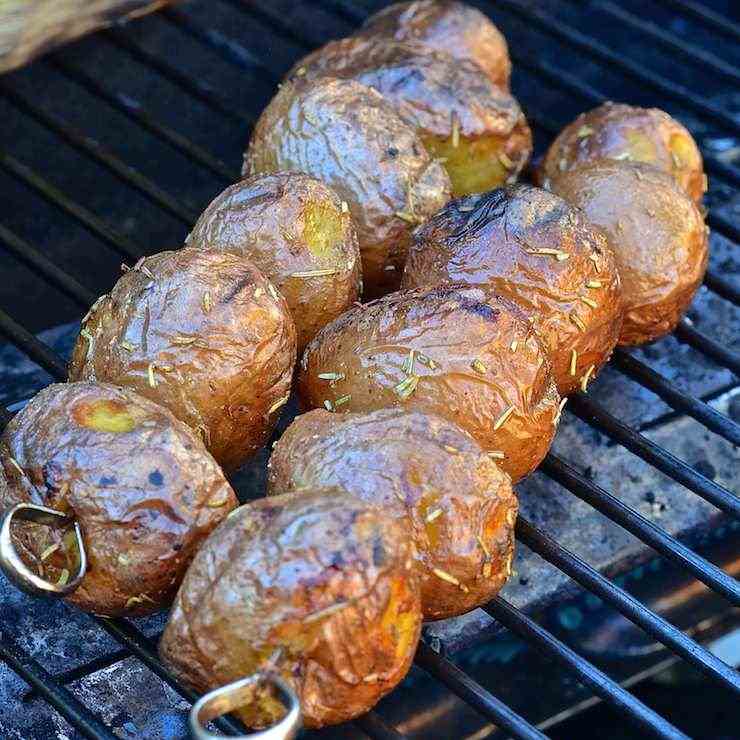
x,y
476,129
298,232
656,233
530,246
319,586
140,483
452,351
425,473
205,334
347,135
444,25
625,132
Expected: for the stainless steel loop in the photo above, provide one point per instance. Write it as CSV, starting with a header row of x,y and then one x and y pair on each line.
x,y
227,698
14,567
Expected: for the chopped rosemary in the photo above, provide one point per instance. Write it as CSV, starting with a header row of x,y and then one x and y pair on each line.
x,y
577,321
432,515
573,361
478,366
503,418
445,576
594,284
496,455
455,130
407,386
589,301
150,374
328,405
513,346
408,363
315,273
584,131
206,302
278,404
331,376
342,400
505,161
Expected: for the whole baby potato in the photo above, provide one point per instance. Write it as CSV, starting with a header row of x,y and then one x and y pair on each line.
x,y
445,25
656,233
140,483
203,333
476,129
456,352
531,246
347,135
425,473
316,586
628,133
298,232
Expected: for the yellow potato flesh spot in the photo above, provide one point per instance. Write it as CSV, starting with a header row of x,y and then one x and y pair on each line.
x,y
105,416
473,165
640,147
399,625
322,229
683,149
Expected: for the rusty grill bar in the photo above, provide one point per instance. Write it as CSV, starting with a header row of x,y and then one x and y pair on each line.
x,y
134,642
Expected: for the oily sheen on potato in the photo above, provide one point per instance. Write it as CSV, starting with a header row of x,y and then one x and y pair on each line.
x,y
140,483
468,357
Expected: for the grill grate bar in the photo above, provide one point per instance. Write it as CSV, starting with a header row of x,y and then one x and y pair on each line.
x,y
33,347
706,345
702,412
474,694
132,110
627,605
642,528
710,18
603,686
57,696
100,155
721,287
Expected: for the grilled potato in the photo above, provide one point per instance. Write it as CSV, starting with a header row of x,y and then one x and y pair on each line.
x,y
140,483
656,233
316,585
456,28
476,129
530,246
627,133
468,357
427,474
299,233
347,135
203,333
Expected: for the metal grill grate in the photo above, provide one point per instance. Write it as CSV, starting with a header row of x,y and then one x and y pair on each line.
x,y
333,17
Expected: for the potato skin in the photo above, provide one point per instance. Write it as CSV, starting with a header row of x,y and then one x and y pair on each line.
x,y
412,466
628,133
347,135
434,92
289,224
656,233
261,582
142,485
456,28
487,241
508,405
213,335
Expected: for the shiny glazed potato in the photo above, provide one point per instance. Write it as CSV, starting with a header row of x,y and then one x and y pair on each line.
x,y
427,474
530,246
455,352
476,129
656,233
456,28
204,334
625,132
317,585
299,233
351,138
140,483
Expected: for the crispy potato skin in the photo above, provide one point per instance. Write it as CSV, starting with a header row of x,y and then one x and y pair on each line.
x,y
427,474
205,334
348,136
454,327
257,589
289,224
455,28
488,241
656,233
142,485
434,92
625,132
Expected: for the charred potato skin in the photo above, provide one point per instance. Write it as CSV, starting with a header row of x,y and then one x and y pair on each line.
x,y
509,405
292,559
628,133
656,233
290,225
348,136
142,485
493,241
427,474
455,28
478,129
203,333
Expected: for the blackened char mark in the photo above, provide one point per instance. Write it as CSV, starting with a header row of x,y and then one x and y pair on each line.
x,y
245,282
